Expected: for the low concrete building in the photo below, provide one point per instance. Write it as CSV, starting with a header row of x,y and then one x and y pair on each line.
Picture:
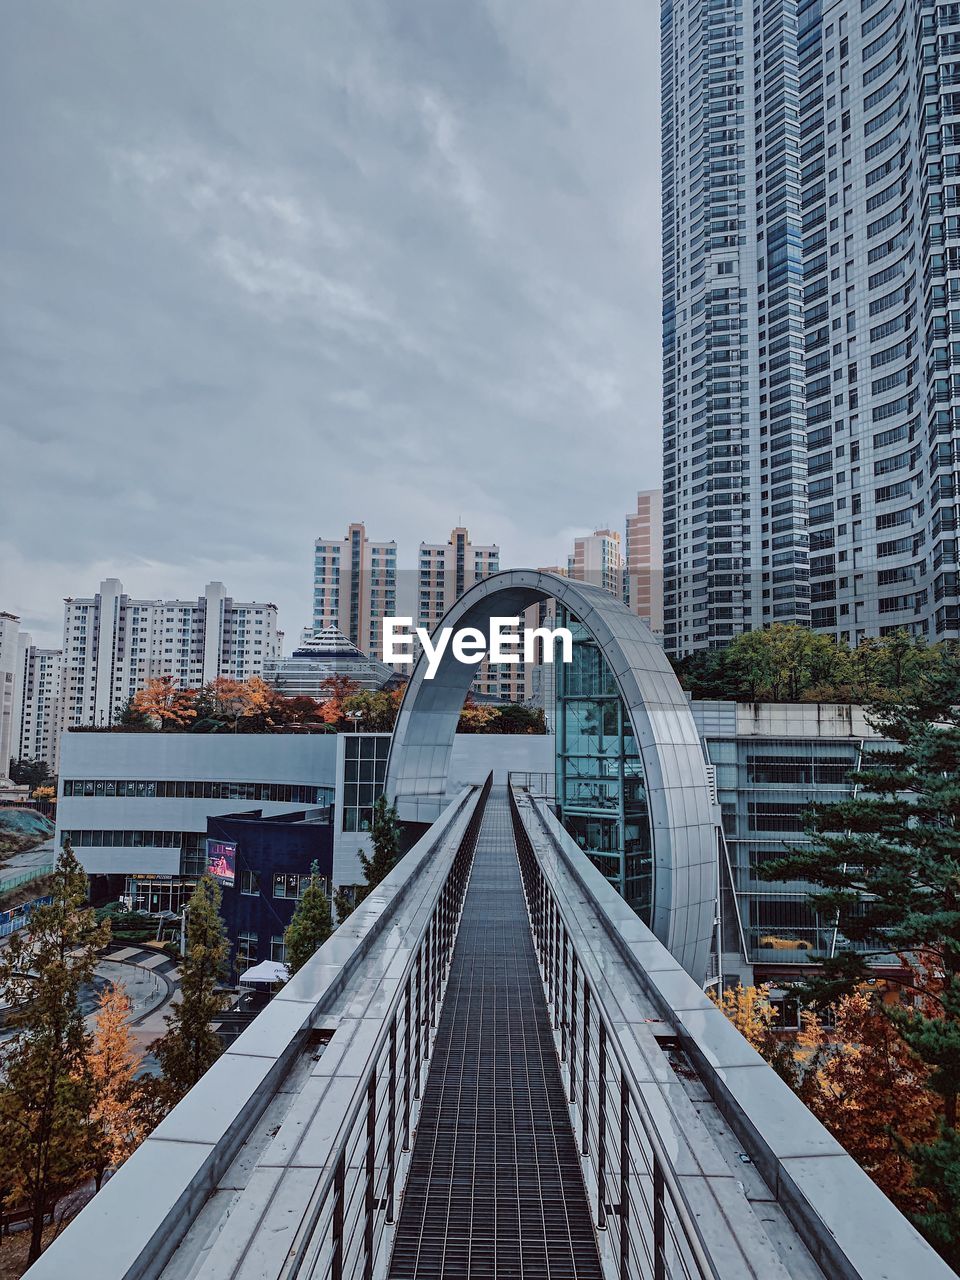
x,y
136,805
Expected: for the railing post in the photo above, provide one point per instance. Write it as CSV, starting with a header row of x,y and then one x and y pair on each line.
x,y
417,1024
601,1124
624,1179
585,1074
563,1000
659,1233
432,981
573,1028
407,1063
557,938
392,1119
339,1179
369,1199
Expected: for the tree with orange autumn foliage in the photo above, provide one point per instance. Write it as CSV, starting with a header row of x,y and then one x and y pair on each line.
x,y
475,717
859,1078
871,1091
162,702
752,1013
116,1125
235,700
336,691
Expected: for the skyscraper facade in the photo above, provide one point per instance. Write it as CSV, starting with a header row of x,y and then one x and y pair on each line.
x,y
811,265
598,558
445,571
354,587
644,559
37,703
735,540
9,650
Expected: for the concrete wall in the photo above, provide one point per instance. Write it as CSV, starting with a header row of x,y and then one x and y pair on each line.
x,y
299,759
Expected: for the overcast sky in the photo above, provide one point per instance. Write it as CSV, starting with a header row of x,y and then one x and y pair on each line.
x,y
267,269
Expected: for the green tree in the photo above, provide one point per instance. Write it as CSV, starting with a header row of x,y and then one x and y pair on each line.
x,y
190,1045
887,863
748,667
311,925
513,717
385,830
46,1095
131,719
32,773
378,709
344,903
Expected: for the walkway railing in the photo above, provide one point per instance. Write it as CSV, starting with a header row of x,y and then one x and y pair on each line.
x,y
637,1199
343,1230
346,1043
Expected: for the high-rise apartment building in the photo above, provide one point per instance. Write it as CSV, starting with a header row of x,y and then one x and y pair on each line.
x,y
645,559
445,571
881,257
598,558
37,703
811,270
9,649
112,645
354,587
735,539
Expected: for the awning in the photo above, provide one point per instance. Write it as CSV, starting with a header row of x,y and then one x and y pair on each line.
x,y
267,971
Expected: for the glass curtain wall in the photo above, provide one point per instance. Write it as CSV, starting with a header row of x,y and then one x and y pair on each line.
x,y
601,793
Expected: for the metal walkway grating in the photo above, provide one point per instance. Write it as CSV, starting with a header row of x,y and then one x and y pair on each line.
x,y
495,1187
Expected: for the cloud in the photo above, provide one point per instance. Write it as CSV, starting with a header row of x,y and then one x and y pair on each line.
x,y
265,275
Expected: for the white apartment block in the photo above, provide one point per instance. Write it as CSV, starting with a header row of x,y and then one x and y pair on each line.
x,y
645,559
9,649
598,558
37,703
354,586
113,644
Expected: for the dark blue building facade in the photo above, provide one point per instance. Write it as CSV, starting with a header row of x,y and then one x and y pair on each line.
x,y
271,860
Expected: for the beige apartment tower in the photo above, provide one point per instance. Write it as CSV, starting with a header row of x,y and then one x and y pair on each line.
x,y
645,559
354,586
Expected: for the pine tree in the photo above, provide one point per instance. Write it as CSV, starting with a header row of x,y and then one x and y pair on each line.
x,y
311,925
888,864
117,1128
343,904
385,830
190,1045
46,1094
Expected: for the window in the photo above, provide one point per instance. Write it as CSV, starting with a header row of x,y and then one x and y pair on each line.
x,y
278,949
248,884
293,885
246,951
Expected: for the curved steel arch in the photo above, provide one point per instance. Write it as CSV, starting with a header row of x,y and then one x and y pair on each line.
x,y
682,812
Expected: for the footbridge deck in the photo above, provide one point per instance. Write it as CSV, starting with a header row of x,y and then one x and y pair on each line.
x,y
492,1069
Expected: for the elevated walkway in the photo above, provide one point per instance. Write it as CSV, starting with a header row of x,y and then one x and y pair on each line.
x,y
492,1069
494,1188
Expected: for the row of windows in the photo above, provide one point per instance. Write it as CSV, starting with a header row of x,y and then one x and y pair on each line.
x,y
822,771
125,788
288,885
95,838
